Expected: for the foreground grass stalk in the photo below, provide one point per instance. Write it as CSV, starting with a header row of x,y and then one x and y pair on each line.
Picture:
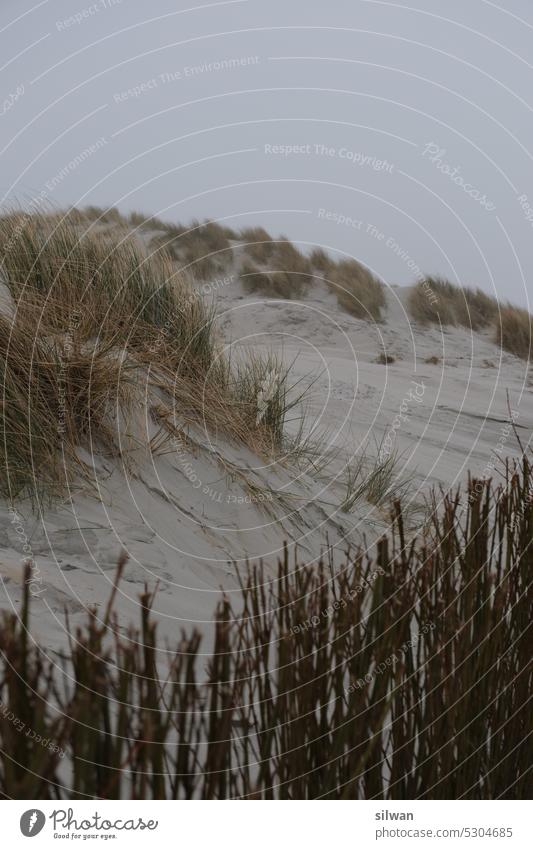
x,y
403,675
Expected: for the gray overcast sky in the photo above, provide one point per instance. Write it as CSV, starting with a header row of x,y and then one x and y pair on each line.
x,y
412,120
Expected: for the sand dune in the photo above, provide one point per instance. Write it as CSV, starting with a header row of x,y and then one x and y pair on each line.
x,y
190,515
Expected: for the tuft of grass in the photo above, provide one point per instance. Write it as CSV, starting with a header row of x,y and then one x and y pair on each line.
x,y
375,479
427,303
320,260
92,316
56,396
436,300
259,245
256,281
203,250
262,387
103,215
475,309
385,359
286,274
357,290
273,284
104,284
514,331
289,259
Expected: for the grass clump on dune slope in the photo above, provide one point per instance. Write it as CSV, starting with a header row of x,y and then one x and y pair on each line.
x,y
436,300
514,331
281,272
357,290
94,321
202,249
258,244
321,261
103,285
54,400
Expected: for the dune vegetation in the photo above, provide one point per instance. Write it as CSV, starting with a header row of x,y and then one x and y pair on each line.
x,y
357,290
404,675
514,331
97,327
437,301
94,320
276,268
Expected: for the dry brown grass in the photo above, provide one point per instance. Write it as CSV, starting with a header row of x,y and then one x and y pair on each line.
x,y
256,281
321,261
258,244
103,215
273,284
427,305
514,331
385,359
436,300
405,674
357,290
203,250
56,396
94,316
285,273
289,259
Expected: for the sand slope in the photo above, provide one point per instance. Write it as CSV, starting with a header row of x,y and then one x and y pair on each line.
x,y
189,519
